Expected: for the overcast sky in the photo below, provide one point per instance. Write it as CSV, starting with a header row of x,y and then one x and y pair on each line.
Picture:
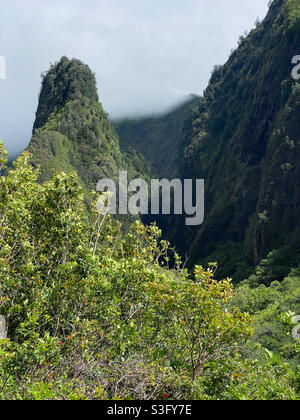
x,y
146,54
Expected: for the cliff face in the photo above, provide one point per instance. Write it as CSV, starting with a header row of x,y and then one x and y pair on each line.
x,y
71,131
243,138
157,137
66,81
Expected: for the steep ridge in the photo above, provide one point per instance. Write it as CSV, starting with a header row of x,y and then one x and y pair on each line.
x,y
244,140
242,137
157,137
72,132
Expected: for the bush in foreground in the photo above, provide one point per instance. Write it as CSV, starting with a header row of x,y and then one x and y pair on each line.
x,y
94,314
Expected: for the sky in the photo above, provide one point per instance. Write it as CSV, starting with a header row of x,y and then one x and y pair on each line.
x,y
147,54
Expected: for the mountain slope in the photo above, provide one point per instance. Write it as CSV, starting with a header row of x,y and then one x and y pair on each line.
x,y
71,131
157,137
244,140
242,137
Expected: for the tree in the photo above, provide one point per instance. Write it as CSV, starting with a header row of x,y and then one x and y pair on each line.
x,y
96,314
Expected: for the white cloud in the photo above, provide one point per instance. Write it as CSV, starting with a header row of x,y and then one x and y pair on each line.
x,y
145,53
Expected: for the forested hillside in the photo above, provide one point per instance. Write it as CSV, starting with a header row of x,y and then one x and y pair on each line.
x,y
91,311
242,137
72,132
92,314
158,138
244,141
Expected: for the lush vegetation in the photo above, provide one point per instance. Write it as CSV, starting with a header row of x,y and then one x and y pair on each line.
x,y
96,310
294,11
72,132
66,80
95,315
273,307
157,137
242,138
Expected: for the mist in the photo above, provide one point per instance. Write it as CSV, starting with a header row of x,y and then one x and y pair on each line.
x,y
147,54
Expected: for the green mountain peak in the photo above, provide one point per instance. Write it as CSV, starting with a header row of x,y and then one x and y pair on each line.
x,y
66,80
72,132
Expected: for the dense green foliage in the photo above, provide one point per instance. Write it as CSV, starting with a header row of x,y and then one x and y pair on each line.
x,y
273,307
294,11
72,131
66,81
243,139
95,311
93,314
